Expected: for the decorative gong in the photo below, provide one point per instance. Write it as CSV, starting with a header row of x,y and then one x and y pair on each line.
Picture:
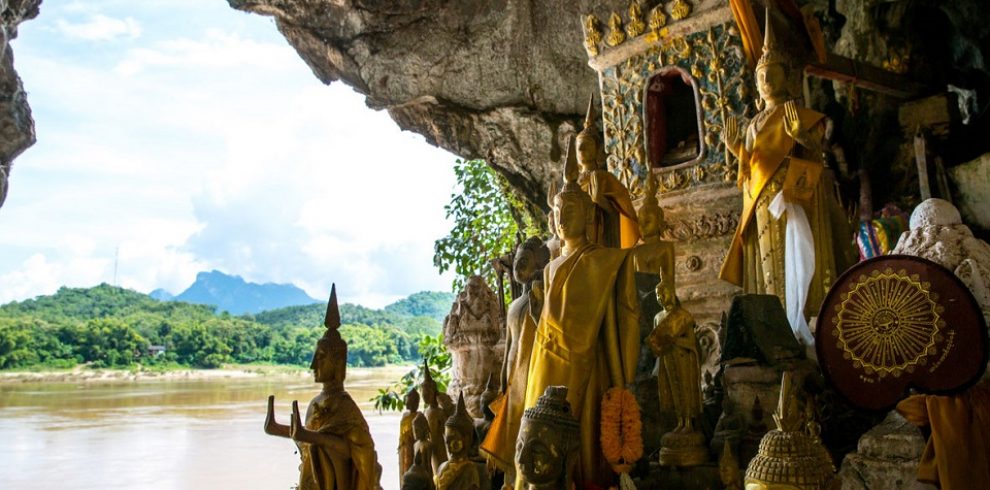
x,y
899,321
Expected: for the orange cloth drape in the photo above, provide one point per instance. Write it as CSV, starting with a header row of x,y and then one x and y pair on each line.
x,y
749,30
958,452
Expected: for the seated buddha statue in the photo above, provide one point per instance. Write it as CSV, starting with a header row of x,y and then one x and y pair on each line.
x,y
334,441
458,472
406,438
787,191
587,337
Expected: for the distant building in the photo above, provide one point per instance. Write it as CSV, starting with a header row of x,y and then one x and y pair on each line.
x,y
156,350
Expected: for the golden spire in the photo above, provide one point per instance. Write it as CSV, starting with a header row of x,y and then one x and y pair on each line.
x,y
331,320
788,416
771,52
590,125
571,168
461,420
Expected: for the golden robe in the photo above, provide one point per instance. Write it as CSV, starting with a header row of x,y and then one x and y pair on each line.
x,y
458,475
755,259
615,223
499,445
679,374
406,442
322,469
587,339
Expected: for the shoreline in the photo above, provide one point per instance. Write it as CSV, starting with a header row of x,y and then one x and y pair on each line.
x,y
85,374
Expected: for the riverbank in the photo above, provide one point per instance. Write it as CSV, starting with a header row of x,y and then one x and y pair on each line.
x,y
86,374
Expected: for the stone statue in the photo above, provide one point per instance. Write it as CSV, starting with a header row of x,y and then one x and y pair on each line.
x,y
678,379
588,334
423,448
730,428
728,469
524,313
459,472
483,425
418,476
435,416
334,443
548,443
406,438
614,222
790,456
785,187
474,336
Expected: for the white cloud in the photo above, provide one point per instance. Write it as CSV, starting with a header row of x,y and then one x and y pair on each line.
x,y
99,27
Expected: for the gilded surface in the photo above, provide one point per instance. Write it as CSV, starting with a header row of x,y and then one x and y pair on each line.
x,y
592,35
635,26
616,35
680,9
714,58
888,323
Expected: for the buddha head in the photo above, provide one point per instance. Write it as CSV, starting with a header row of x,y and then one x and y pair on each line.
x,y
548,440
772,69
330,359
417,477
728,467
665,293
428,386
589,143
530,258
650,215
572,206
421,427
412,400
458,433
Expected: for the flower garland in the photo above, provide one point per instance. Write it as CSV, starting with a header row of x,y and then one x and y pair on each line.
x,y
622,429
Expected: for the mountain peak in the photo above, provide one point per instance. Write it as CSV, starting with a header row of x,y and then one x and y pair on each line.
x,y
233,294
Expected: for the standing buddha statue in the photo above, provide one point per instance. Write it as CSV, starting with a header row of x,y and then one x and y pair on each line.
x,y
334,442
458,472
588,335
614,223
792,239
435,416
406,438
423,448
523,313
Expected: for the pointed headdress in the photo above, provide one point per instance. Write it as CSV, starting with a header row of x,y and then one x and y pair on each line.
x,y
771,51
461,420
590,129
336,346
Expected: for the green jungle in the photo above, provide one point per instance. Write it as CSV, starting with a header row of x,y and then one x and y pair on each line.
x,y
110,327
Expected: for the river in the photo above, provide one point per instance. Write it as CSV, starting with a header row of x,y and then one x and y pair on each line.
x,y
168,434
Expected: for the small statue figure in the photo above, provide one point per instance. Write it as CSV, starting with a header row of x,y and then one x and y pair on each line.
x,y
548,443
483,425
459,472
728,469
653,255
785,186
614,223
730,428
436,416
473,334
588,333
423,446
679,379
523,315
406,438
335,444
418,476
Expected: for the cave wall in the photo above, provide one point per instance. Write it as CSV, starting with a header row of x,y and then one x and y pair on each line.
x,y
16,125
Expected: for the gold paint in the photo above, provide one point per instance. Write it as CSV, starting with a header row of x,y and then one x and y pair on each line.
x,y
407,439
680,9
888,323
592,34
636,26
615,34
658,19
459,472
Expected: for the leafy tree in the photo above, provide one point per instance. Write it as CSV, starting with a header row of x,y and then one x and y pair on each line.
x,y
487,217
424,303
434,352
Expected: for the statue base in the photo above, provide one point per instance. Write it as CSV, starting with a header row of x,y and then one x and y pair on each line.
x,y
683,449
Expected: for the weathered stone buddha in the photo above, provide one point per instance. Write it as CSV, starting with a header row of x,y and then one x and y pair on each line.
x,y
678,379
614,221
790,457
334,442
435,416
588,335
473,334
785,186
458,472
406,438
547,451
423,448
418,476
521,320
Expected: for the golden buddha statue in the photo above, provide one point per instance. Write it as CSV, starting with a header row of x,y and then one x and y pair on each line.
x,y
335,444
791,457
523,313
614,223
548,446
588,335
678,379
552,243
792,240
406,438
424,446
458,472
653,255
435,416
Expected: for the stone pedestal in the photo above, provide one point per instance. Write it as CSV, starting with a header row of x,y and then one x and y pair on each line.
x,y
886,458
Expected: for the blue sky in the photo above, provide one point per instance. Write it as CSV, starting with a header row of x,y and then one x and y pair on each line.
x,y
190,137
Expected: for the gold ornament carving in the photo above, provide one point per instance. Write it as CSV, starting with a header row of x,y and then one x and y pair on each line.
x,y
636,26
888,323
616,36
592,34
680,9
658,19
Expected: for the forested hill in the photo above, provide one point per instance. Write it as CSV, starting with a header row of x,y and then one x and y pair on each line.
x,y
110,326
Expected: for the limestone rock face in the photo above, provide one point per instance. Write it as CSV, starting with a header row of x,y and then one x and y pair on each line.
x,y
886,458
16,125
474,334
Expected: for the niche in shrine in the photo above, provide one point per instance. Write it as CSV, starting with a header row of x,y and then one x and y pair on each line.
x,y
673,119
